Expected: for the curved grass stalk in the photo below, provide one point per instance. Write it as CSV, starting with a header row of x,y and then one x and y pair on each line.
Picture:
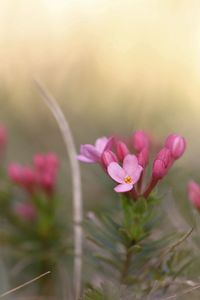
x,y
76,182
187,291
24,284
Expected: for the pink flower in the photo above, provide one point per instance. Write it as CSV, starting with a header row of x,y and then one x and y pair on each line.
x,y
92,153
23,176
25,211
15,173
161,164
46,166
28,178
47,182
176,144
121,150
143,157
108,157
140,140
127,175
194,194
159,169
44,162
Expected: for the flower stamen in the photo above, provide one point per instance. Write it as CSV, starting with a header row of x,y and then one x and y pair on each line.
x,y
128,179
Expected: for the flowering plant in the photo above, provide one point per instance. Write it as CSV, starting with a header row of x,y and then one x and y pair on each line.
x,y
130,252
127,242
31,229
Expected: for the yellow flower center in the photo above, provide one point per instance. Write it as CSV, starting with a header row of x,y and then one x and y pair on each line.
x,y
128,179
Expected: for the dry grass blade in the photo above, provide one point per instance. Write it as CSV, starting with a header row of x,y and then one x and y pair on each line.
x,y
24,284
76,181
183,293
155,286
180,241
175,245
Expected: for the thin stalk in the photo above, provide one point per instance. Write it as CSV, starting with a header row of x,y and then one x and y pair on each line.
x,y
126,265
150,187
140,182
186,291
24,284
127,261
76,182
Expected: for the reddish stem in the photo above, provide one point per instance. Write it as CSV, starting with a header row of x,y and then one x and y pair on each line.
x,y
140,182
150,187
133,194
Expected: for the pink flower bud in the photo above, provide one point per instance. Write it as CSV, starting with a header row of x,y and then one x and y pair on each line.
x,y
194,194
46,163
28,178
165,156
39,161
122,150
140,140
23,176
143,157
25,211
108,157
15,173
52,161
47,183
176,144
161,164
159,169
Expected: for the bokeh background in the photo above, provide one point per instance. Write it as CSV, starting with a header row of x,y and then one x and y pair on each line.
x,y
114,67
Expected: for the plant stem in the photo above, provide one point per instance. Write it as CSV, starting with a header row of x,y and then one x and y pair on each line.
x,y
140,182
150,187
126,265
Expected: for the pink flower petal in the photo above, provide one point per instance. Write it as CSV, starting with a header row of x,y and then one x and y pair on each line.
x,y
85,159
109,143
137,173
88,153
130,164
124,187
116,172
101,143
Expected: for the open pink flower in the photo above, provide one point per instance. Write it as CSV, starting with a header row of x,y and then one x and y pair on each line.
x,y
127,175
92,153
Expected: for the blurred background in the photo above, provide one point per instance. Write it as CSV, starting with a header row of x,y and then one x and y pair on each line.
x,y
114,67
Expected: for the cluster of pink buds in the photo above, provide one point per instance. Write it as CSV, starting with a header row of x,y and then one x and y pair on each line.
x,y
126,162
40,176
